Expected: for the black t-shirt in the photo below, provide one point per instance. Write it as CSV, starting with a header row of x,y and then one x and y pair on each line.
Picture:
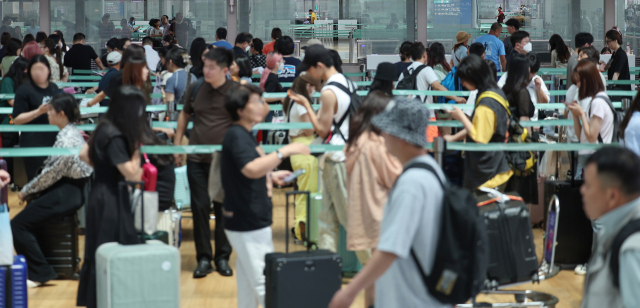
x,y
402,66
273,85
246,204
79,57
114,83
620,64
520,103
29,97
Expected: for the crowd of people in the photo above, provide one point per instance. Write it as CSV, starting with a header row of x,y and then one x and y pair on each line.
x,y
385,211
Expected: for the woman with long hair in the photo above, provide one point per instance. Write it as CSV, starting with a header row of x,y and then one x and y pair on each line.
x,y
386,76
64,45
594,125
40,36
197,51
306,86
113,151
629,129
371,172
53,53
27,38
57,191
437,60
31,49
136,73
405,57
258,59
13,79
516,87
269,79
240,70
30,107
560,52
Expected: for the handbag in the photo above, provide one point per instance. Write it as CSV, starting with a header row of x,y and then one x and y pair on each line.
x,y
216,192
145,208
149,174
6,237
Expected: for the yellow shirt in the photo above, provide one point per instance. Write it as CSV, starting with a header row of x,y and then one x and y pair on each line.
x,y
484,125
313,18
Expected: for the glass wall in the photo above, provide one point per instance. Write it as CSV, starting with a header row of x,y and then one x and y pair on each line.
x,y
24,14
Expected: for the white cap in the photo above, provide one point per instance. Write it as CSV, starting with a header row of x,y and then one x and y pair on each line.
x,y
114,57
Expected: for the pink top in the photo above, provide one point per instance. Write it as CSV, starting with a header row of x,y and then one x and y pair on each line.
x,y
371,172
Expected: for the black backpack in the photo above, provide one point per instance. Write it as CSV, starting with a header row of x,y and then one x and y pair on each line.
x,y
614,263
409,79
460,265
192,92
353,107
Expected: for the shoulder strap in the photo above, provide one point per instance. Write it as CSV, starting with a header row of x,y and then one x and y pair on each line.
x,y
614,263
418,70
337,125
495,96
613,111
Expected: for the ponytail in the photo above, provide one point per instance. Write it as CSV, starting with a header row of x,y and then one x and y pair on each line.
x,y
55,50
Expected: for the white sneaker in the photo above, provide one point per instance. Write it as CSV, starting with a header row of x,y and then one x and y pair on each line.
x,y
32,284
581,269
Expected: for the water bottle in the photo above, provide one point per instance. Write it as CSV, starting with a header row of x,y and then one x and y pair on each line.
x,y
628,49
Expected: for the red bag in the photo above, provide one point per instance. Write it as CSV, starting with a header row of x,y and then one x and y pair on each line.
x,y
149,174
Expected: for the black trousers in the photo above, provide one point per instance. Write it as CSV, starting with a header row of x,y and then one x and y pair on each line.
x,y
198,175
60,200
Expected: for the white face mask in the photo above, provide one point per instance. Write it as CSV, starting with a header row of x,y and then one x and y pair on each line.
x,y
248,48
528,47
281,66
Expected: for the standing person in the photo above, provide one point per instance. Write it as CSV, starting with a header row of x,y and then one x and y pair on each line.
x,y
209,127
125,31
30,107
611,198
221,39
249,215
560,52
177,60
405,57
513,25
437,60
276,34
306,86
106,29
166,26
515,88
489,123
132,24
521,44
241,69
538,91
286,47
494,48
156,31
80,55
371,172
258,59
312,17
500,16
64,45
57,191
14,78
384,79
40,36
629,128
582,39
151,55
33,29
460,49
53,53
411,216
13,52
596,123
6,25
196,54
113,151
181,30
243,44
618,67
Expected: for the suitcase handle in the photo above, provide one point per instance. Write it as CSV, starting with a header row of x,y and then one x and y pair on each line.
x,y
286,217
514,198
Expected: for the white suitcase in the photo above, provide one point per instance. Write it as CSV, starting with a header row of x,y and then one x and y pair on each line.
x,y
138,276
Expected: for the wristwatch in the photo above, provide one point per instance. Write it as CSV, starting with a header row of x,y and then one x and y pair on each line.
x,y
280,156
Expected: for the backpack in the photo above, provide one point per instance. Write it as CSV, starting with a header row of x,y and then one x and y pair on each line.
x,y
409,79
460,264
617,119
353,107
452,84
614,263
521,162
193,91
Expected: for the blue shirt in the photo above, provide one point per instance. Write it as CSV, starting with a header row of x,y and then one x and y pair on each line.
x,y
223,44
104,81
494,48
632,133
290,72
177,83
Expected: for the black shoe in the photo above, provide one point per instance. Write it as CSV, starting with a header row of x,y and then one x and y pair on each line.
x,y
204,268
223,268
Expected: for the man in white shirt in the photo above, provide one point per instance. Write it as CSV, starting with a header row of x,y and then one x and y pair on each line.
x,y
411,216
152,56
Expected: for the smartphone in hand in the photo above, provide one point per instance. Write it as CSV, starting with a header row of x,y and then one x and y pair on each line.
x,y
294,175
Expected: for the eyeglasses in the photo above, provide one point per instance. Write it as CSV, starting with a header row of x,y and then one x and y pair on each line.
x,y
607,41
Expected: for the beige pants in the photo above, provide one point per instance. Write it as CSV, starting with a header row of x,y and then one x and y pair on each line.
x,y
334,205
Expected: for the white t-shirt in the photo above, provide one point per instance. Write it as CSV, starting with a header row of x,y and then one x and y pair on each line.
x,y
533,93
155,31
599,108
297,111
584,103
424,80
411,219
152,57
343,106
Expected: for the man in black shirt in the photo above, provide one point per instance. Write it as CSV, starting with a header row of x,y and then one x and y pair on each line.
x,y
519,40
243,44
513,25
80,55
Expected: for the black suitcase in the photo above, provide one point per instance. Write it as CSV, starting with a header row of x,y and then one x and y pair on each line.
x,y
512,253
301,279
58,240
575,233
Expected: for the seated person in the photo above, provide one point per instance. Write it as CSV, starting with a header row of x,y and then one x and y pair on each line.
x,y
57,191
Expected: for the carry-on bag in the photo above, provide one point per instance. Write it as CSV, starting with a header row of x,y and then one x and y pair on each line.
x,y
182,192
301,279
512,254
13,284
58,240
6,237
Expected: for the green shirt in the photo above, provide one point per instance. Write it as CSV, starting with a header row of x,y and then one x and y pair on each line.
x,y
6,63
6,87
